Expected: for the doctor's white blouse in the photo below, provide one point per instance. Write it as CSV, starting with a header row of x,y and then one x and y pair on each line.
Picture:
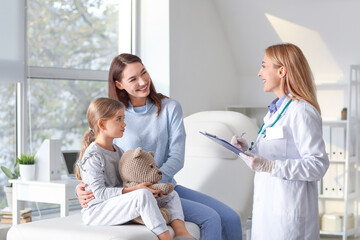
x,y
286,201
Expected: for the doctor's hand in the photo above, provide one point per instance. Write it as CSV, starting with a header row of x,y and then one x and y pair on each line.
x,y
257,163
240,143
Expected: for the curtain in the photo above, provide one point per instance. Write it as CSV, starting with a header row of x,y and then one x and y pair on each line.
x,y
12,40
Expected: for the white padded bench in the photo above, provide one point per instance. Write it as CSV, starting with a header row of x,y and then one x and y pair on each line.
x,y
219,167
71,227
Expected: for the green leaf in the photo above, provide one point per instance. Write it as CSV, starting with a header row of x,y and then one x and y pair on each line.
x,y
8,173
16,167
26,159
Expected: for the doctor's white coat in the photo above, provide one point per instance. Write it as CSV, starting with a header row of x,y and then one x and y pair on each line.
x,y
286,201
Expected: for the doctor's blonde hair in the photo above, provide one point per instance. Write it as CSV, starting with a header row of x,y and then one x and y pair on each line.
x,y
298,80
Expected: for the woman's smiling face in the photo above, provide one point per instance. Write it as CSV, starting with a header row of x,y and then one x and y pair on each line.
x,y
135,81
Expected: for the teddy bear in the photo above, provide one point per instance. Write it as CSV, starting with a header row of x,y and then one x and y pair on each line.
x,y
137,166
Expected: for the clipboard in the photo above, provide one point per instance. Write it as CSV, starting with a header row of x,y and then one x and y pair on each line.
x,y
223,143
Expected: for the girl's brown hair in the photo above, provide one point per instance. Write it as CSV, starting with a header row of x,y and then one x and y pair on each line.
x,y
298,80
115,74
100,108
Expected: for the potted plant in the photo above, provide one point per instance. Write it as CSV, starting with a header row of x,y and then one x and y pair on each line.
x,y
26,166
10,175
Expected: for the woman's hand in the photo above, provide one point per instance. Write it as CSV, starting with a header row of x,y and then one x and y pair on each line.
x,y
146,185
84,196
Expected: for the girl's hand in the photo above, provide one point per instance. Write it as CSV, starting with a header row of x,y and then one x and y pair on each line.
x,y
146,185
84,196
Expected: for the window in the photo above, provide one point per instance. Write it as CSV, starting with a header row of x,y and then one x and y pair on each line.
x,y
7,131
78,34
58,110
70,45
7,123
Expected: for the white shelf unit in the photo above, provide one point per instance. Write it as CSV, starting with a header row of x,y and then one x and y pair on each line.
x,y
340,189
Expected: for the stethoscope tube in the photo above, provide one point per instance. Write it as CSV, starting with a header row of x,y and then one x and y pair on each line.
x,y
264,131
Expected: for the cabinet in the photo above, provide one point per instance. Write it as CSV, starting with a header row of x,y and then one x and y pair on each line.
x,y
339,188
56,191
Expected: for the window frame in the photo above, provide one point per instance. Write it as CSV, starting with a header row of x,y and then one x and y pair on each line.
x,y
22,113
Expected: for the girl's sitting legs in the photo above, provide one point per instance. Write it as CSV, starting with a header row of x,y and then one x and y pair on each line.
x,y
124,208
216,219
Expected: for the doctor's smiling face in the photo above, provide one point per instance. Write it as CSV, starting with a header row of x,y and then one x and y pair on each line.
x,y
271,76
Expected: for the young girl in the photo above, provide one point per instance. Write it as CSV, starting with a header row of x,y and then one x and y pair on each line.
x,y
98,168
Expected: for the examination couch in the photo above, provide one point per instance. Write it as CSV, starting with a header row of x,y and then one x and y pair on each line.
x,y
209,168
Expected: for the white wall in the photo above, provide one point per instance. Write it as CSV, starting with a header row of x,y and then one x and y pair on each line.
x,y
211,50
202,71
152,39
326,31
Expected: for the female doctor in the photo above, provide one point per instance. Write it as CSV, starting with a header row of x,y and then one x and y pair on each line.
x,y
289,153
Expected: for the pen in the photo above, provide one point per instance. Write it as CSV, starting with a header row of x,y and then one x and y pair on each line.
x,y
210,134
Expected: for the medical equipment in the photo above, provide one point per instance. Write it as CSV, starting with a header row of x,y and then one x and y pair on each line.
x,y
263,132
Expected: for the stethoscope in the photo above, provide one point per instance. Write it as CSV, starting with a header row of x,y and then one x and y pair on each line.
x,y
263,131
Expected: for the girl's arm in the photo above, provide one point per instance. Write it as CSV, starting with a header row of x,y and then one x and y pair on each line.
x,y
85,196
175,160
93,173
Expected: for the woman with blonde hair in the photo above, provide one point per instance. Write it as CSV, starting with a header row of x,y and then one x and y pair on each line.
x,y
288,155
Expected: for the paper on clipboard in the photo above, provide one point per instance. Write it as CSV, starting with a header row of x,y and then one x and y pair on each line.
x,y
223,143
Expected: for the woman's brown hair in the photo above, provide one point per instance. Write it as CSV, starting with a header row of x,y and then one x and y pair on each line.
x,y
298,80
100,108
115,74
